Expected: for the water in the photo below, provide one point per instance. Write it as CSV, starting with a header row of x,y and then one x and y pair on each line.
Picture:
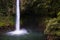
x,y
18,31
30,36
17,15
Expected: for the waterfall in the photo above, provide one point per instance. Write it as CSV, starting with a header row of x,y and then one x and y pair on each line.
x,y
17,30
17,16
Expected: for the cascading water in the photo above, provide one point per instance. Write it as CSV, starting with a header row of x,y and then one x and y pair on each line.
x,y
17,16
18,31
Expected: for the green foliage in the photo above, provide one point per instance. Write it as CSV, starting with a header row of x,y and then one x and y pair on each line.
x,y
6,14
53,26
42,7
6,21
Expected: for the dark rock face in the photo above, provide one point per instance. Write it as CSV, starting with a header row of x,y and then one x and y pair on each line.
x,y
6,28
33,22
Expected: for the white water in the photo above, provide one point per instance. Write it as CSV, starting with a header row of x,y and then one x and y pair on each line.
x,y
18,31
17,15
